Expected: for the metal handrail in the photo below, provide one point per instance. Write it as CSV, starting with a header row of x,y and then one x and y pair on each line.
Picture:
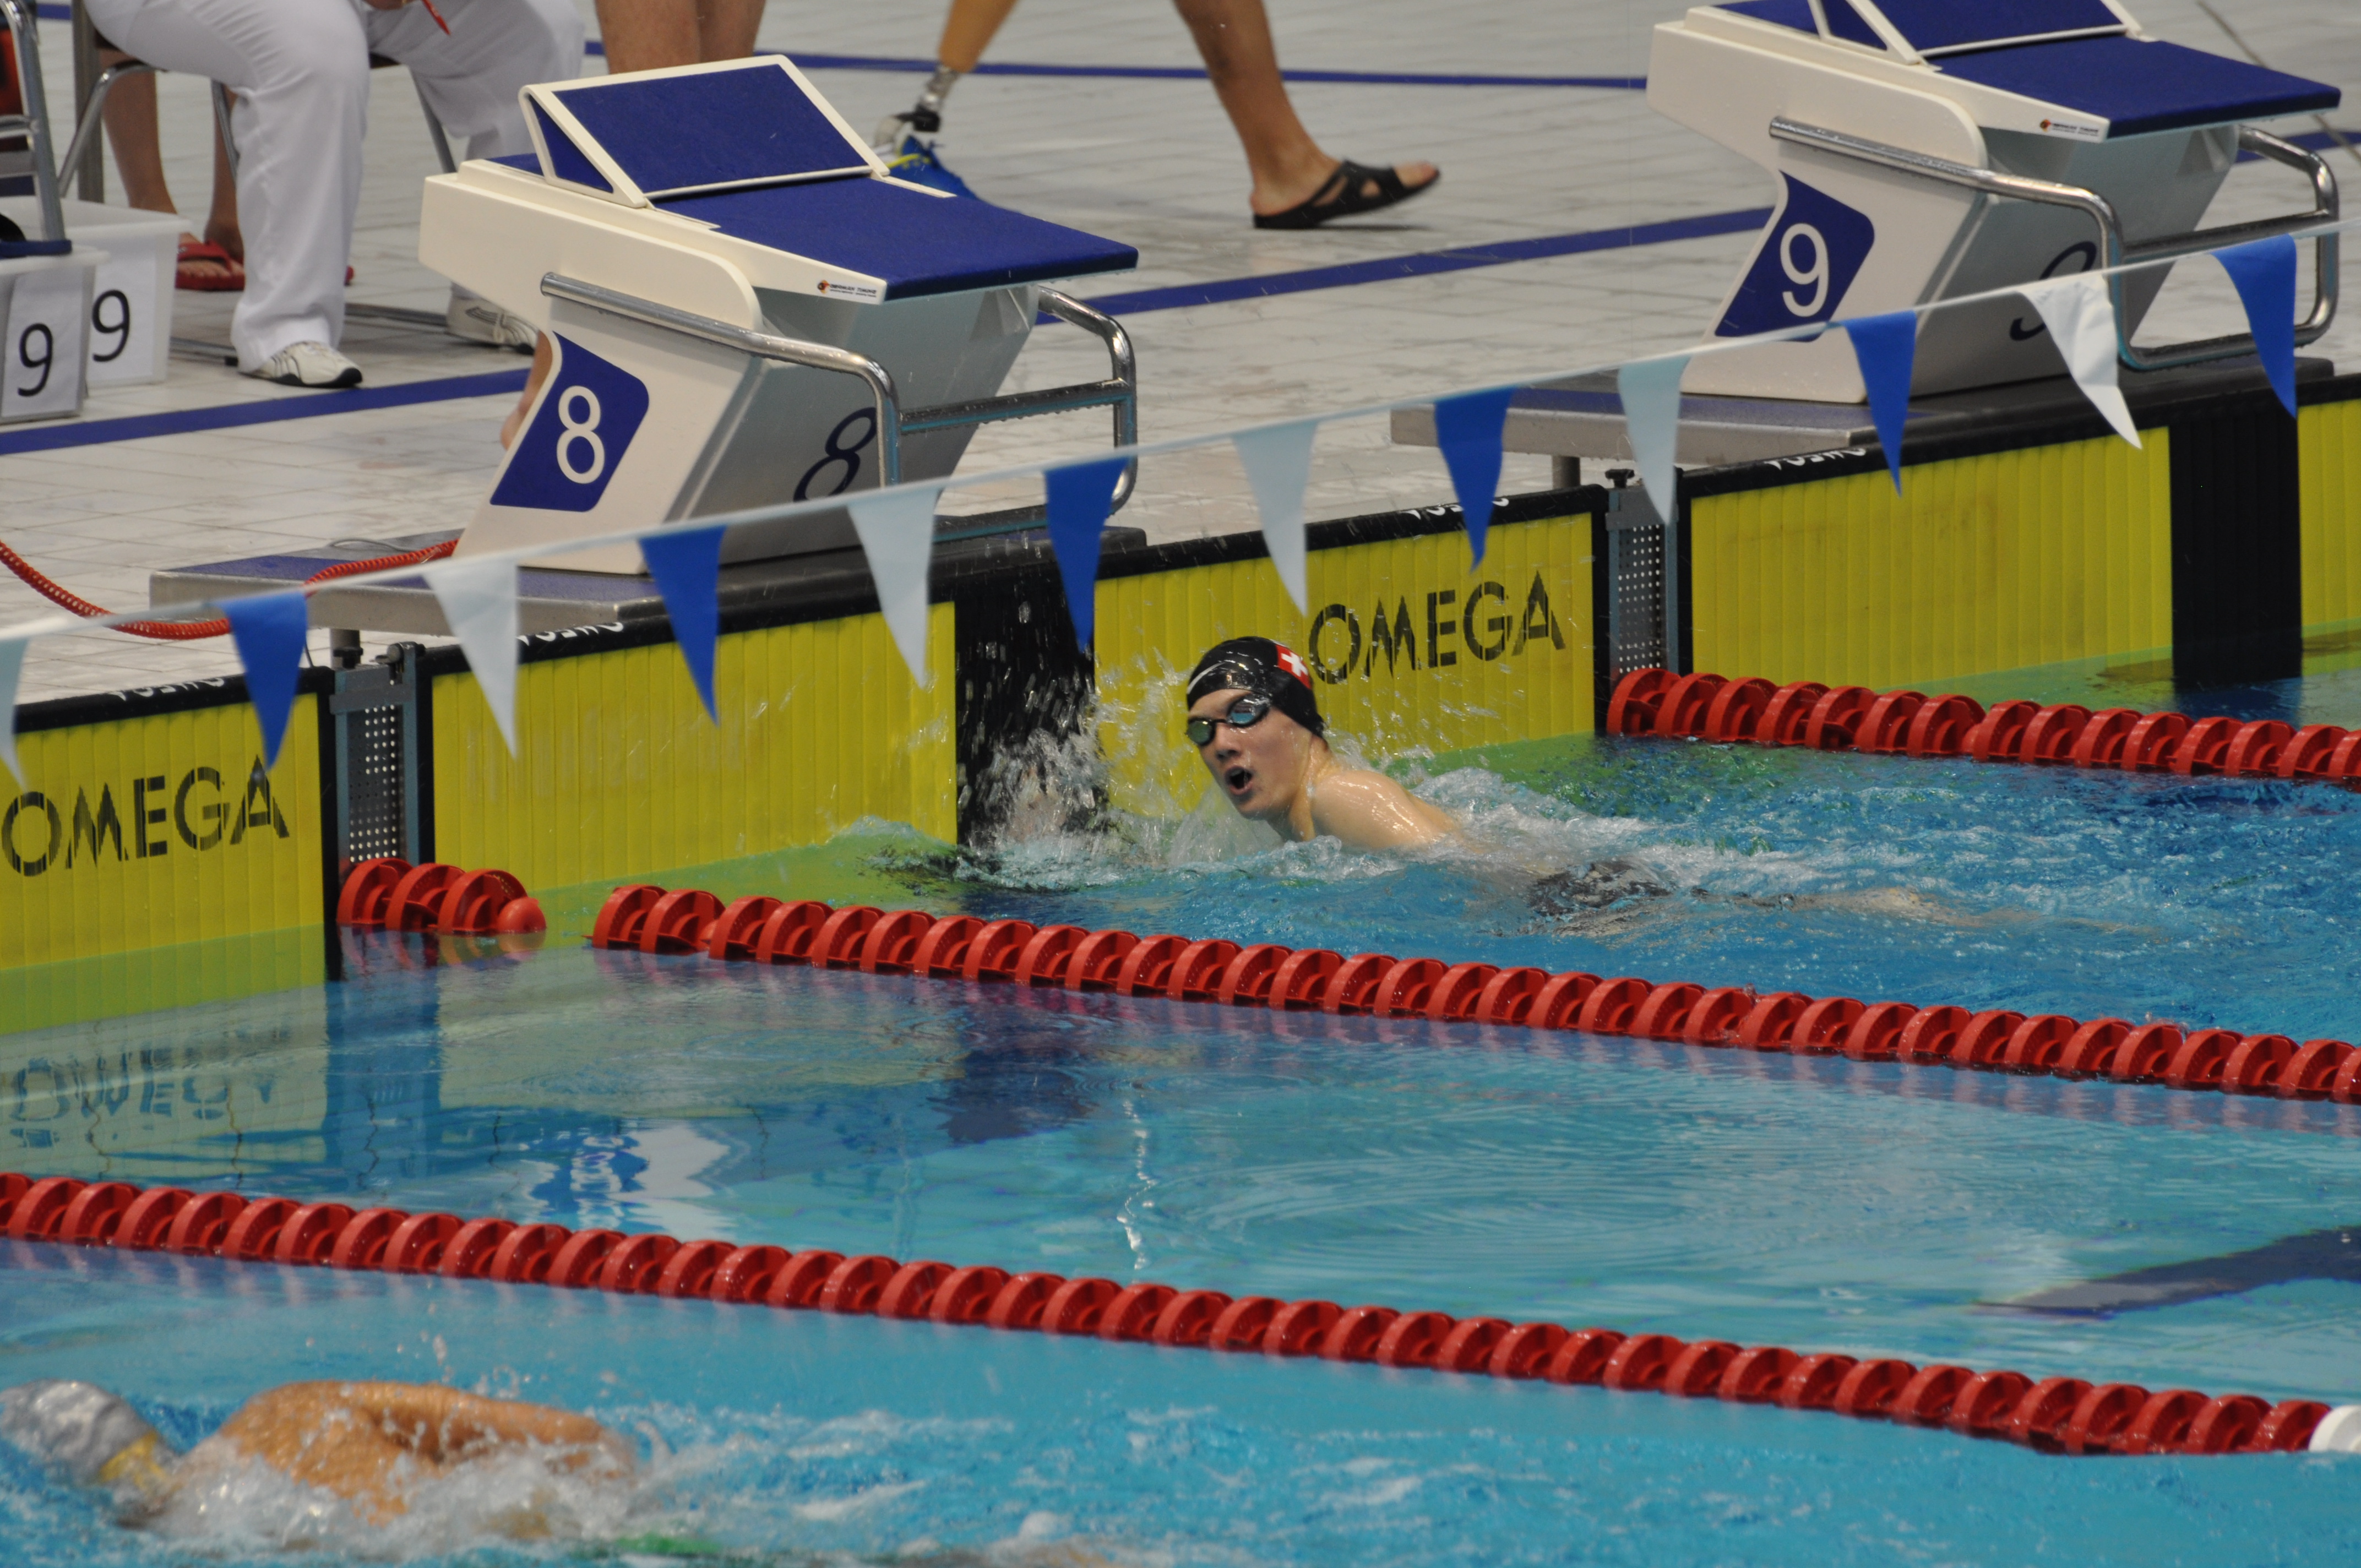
x,y
2113,251
1126,369
36,117
1120,391
760,344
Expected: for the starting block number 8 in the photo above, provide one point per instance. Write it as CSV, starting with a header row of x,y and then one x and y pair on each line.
x,y
574,432
580,436
837,452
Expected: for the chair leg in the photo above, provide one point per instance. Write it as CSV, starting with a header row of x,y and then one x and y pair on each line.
x,y
99,89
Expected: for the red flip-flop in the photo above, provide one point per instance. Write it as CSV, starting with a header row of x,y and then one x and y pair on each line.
x,y
229,281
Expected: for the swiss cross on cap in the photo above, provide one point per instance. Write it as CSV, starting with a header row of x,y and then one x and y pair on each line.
x,y
1292,663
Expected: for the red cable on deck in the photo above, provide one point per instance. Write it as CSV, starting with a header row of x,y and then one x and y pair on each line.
x,y
2058,1415
192,630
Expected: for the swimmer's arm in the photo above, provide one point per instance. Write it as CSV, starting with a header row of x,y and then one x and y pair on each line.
x,y
444,1424
1370,811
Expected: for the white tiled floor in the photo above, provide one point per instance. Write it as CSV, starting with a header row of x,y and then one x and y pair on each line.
x,y
1150,163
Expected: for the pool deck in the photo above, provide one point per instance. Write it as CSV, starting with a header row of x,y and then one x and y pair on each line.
x,y
1552,188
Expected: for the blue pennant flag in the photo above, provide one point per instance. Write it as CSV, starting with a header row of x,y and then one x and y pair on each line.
x,y
2264,272
1467,428
1080,497
688,566
269,631
1885,347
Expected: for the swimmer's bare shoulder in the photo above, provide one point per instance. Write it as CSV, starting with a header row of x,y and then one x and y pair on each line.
x,y
367,1441
1369,811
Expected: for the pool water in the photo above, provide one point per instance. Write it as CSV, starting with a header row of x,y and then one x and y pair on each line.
x,y
1816,1203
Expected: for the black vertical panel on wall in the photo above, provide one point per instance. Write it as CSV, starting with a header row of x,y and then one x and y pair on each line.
x,y
1023,687
1602,645
2237,537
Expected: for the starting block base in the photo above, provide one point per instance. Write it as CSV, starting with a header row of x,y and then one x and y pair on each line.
x,y
551,601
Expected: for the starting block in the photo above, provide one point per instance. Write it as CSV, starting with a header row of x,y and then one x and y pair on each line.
x,y
1927,149
747,310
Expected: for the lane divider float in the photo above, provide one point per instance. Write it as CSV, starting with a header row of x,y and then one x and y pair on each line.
x,y
2056,1415
769,931
1706,706
391,894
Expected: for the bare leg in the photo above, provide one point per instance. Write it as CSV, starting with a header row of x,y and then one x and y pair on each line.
x,y
1288,168
968,31
645,35
648,35
130,116
725,29
543,358
220,223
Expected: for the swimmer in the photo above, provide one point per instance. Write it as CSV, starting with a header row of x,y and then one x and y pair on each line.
x,y
1257,726
377,1445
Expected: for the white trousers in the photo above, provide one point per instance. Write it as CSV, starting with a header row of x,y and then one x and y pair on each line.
x,y
300,71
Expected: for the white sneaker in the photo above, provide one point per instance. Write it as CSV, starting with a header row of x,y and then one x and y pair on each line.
x,y
309,365
479,321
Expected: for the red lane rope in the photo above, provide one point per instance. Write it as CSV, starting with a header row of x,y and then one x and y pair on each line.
x,y
910,941
2058,1415
191,631
1706,707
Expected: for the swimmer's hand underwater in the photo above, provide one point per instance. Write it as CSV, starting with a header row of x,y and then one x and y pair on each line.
x,y
1256,725
375,1445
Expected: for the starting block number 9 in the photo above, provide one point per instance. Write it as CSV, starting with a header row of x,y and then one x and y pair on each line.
x,y
1806,264
1815,273
576,432
47,336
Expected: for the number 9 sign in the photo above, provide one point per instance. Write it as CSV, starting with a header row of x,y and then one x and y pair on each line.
x,y
578,437
43,338
1809,257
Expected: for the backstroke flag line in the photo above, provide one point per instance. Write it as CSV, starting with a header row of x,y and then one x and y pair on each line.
x,y
1885,348
270,631
1467,428
1278,462
1081,496
1652,420
686,566
898,535
2081,313
479,602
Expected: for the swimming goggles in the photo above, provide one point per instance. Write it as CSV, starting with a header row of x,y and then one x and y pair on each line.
x,y
1244,714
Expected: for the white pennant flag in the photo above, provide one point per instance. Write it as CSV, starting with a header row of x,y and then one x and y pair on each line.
x,y
480,601
1652,421
1279,466
898,535
2080,314
12,666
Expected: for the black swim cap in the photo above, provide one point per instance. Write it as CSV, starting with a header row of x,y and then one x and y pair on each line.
x,y
1259,665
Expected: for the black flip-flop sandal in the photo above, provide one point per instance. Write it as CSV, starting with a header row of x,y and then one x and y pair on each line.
x,y
1343,196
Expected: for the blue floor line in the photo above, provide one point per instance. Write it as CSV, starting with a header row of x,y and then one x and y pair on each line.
x,y
93,432
1197,73
1427,263
228,416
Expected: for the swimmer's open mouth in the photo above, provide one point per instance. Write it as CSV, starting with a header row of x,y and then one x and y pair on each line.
x,y
1239,779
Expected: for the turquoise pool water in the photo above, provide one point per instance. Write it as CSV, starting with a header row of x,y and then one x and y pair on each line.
x,y
1820,1204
